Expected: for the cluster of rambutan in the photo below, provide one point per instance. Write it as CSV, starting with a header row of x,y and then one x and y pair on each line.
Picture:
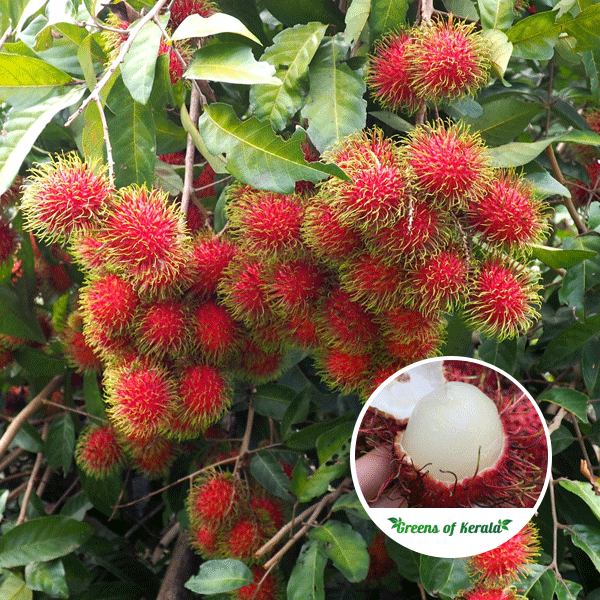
x,y
496,571
179,10
231,518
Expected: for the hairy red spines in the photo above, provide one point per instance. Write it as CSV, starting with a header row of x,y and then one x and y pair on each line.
x,y
215,333
153,456
180,9
213,498
211,256
80,354
162,328
98,452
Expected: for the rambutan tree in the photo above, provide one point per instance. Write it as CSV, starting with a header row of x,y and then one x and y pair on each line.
x,y
223,223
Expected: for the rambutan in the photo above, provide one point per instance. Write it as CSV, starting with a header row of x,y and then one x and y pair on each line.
x,y
409,324
204,184
265,224
484,593
507,562
161,328
204,538
141,398
388,75
98,452
210,257
268,511
145,239
244,537
108,302
214,496
303,330
65,197
502,298
264,586
180,9
215,332
380,563
12,195
447,162
6,357
153,456
440,282
176,67
406,351
111,348
508,213
8,241
447,59
341,369
259,364
357,151
87,250
76,348
204,394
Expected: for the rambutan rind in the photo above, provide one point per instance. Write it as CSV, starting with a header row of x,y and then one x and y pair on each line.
x,y
162,328
210,257
215,333
98,452
214,497
153,457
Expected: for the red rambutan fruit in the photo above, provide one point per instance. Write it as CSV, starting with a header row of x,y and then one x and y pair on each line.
x,y
502,298
204,538
581,194
447,59
440,282
161,328
204,184
266,224
215,332
87,250
141,398
268,512
108,302
341,369
204,394
303,330
484,593
243,538
111,348
263,587
154,456
98,452
326,235
175,158
509,561
145,238
214,496
76,348
447,162
409,324
259,364
407,351
210,257
508,213
176,67
8,241
6,357
12,195
65,197
180,9
388,76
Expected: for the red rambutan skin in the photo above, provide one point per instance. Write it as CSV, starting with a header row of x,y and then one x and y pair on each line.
x,y
484,593
343,369
211,255
205,539
8,241
65,197
108,302
204,185
506,562
98,453
12,194
262,587
215,332
153,457
213,498
180,9
259,364
204,394
446,60
508,213
447,162
243,539
408,324
6,357
86,249
269,512
141,398
388,75
161,328
76,348
380,563
145,239
502,300
176,67
303,330
266,224
406,351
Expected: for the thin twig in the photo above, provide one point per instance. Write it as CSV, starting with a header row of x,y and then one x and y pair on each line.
x,y
125,46
44,482
116,506
10,458
37,465
109,154
165,542
245,440
190,153
557,421
51,508
74,410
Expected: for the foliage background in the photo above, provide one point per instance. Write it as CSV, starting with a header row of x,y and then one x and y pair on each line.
x,y
74,543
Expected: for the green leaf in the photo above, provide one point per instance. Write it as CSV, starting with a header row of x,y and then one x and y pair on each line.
x,y
296,412
273,399
345,547
586,492
587,538
103,493
393,120
305,439
336,107
86,61
590,365
42,539
76,506
306,11
545,185
517,154
502,354
386,15
583,27
447,576
60,443
23,126
558,258
255,155
20,72
496,14
196,26
91,393
561,439
500,49
572,400
567,590
139,65
132,135
306,488
504,119
47,577
357,17
408,561
351,504
29,439
36,362
3,499
538,582
268,471
92,139
306,580
14,588
17,320
535,37
335,442
217,576
462,8
290,54
232,63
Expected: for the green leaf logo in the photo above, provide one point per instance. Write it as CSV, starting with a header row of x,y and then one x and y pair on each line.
x,y
504,523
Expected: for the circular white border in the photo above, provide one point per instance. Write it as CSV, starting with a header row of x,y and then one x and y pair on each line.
x,y
416,525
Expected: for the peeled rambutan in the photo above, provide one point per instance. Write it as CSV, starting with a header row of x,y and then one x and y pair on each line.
x,y
154,456
506,562
204,394
266,224
388,74
214,496
447,59
65,197
141,396
502,298
80,354
508,213
265,586
8,241
145,239
210,257
447,162
180,9
215,333
98,452
161,328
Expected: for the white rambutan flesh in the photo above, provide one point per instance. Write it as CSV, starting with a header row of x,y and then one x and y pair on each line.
x,y
453,433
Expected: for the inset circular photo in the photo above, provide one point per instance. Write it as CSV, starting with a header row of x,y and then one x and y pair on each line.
x,y
451,433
